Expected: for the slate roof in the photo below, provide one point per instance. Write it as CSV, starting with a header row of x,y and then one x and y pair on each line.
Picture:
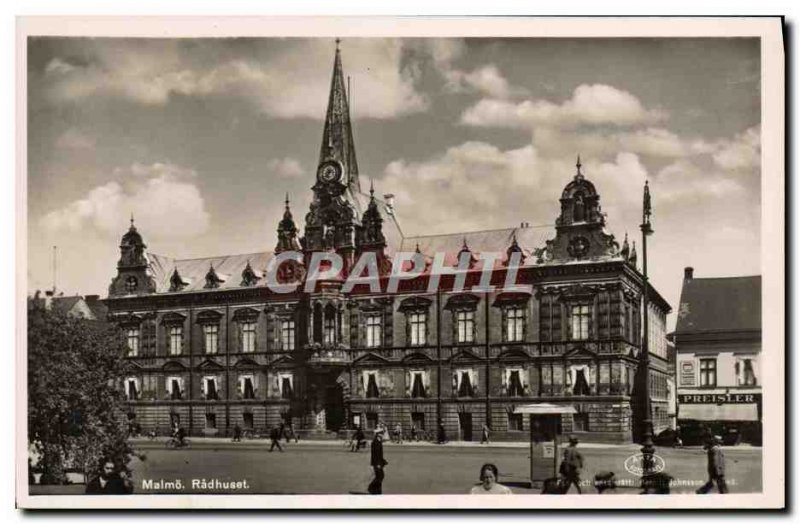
x,y
720,304
193,271
492,240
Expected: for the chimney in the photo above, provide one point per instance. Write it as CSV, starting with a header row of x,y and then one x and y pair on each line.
x,y
688,273
389,199
48,299
92,299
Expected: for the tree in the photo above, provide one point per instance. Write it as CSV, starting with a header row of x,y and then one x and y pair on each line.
x,y
75,402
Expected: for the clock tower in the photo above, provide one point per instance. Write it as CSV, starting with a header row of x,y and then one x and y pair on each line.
x,y
333,216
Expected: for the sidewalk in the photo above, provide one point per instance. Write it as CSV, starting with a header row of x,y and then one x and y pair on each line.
x,y
265,442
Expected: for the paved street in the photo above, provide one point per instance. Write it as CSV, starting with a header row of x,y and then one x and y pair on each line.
x,y
328,468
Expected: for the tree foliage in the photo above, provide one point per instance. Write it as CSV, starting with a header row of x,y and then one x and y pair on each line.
x,y
75,399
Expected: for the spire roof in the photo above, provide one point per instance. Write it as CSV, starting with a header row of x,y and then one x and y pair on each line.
x,y
337,135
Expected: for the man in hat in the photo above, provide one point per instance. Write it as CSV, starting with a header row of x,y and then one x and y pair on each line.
x,y
716,466
378,464
571,466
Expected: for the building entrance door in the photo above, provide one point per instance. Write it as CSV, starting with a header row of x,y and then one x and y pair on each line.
x,y
465,426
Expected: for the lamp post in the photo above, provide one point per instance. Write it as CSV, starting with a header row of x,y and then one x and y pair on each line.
x,y
647,435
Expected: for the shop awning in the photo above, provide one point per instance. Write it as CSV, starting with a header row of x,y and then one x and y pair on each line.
x,y
543,409
709,412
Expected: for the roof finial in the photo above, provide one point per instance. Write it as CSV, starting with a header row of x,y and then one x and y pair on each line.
x,y
579,165
287,200
132,219
337,43
371,188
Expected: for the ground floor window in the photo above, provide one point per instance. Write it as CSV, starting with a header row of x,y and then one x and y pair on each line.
x,y
580,422
248,420
211,421
515,421
418,420
372,420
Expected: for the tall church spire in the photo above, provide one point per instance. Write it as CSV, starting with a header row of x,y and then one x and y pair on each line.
x,y
337,135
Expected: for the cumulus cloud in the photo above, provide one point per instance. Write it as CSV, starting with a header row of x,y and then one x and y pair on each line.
x,y
285,167
743,152
150,72
442,194
486,80
163,198
596,104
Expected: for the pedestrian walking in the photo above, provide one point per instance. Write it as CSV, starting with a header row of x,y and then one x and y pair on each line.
x,y
489,484
571,466
109,482
398,433
289,433
275,437
485,434
378,464
237,433
716,466
413,433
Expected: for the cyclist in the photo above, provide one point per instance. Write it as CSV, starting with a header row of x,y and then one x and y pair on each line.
x,y
358,441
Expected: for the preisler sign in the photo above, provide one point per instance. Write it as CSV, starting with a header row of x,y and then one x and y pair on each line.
x,y
719,398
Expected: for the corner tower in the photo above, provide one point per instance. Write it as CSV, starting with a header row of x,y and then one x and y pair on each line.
x,y
133,269
580,228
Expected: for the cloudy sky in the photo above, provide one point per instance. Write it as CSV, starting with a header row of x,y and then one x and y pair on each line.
x,y
201,138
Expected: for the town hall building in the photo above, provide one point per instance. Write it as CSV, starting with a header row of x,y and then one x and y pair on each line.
x,y
212,346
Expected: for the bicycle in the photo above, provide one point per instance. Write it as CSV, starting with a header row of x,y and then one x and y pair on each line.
x,y
174,443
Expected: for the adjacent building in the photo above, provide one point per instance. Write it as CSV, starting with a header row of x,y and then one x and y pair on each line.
x,y
718,344
211,345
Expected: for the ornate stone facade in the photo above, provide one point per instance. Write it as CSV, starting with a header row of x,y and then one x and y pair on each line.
x,y
215,346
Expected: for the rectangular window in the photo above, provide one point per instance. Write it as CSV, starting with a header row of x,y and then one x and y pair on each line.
x,y
211,421
708,372
372,420
248,391
580,322
374,331
174,385
417,385
175,340
329,330
418,324
465,326
211,389
515,322
372,390
133,390
515,421
745,372
515,388
248,420
286,386
287,335
248,331
133,341
211,333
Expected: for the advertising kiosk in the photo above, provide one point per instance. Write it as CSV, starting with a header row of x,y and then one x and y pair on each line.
x,y
545,424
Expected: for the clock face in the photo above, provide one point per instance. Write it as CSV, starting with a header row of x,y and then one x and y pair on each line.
x,y
329,172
